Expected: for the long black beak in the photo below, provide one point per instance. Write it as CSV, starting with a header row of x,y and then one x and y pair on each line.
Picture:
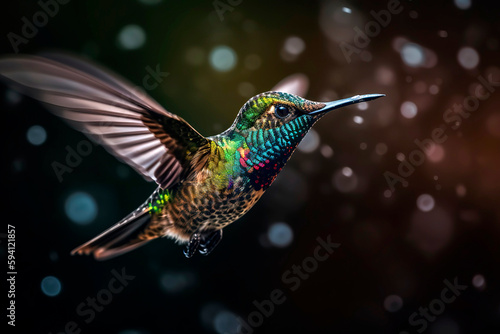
x,y
345,102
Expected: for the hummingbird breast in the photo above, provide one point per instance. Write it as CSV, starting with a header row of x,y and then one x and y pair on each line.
x,y
215,197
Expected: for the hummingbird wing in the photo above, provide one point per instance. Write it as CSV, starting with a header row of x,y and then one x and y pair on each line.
x,y
129,124
297,84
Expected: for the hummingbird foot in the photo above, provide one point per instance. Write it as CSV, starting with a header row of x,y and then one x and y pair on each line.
x,y
204,242
193,244
210,241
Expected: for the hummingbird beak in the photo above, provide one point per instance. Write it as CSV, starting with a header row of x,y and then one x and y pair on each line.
x,y
329,106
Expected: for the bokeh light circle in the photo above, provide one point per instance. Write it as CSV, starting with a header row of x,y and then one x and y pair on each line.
x,y
345,180
36,135
425,202
409,109
310,142
280,235
131,37
468,58
412,55
393,303
81,208
226,322
223,58
51,286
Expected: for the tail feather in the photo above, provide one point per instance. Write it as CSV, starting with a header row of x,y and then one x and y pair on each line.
x,y
119,239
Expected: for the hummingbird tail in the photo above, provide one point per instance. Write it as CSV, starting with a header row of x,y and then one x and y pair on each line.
x,y
118,239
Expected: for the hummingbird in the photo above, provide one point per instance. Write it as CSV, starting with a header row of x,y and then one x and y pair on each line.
x,y
204,183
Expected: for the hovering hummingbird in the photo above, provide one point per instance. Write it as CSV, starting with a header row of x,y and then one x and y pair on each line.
x,y
204,183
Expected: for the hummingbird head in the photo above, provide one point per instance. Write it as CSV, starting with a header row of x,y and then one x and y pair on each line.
x,y
274,110
273,124
286,114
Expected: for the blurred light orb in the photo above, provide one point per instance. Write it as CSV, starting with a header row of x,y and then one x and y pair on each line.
x,y
13,97
412,55
123,171
433,89
479,282
393,303
443,33
53,256
463,4
81,208
294,45
345,180
131,37
297,84
36,135
425,202
208,313
363,146
461,190
18,165
400,156
176,282
362,106
381,149
280,235
346,171
51,286
246,89
468,58
385,75
358,119
346,10
252,62
326,151
409,109
436,153
310,142
387,193
195,56
226,322
223,58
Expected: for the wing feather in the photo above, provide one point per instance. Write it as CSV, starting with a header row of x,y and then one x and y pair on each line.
x,y
128,123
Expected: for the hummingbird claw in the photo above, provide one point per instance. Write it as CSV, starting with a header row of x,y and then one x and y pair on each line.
x,y
192,246
210,241
204,242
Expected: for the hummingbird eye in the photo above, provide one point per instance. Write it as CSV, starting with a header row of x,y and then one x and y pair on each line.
x,y
281,111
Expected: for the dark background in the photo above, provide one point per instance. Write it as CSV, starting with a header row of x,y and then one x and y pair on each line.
x,y
393,256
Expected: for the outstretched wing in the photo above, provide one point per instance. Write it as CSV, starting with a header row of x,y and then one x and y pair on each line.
x,y
297,84
132,126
